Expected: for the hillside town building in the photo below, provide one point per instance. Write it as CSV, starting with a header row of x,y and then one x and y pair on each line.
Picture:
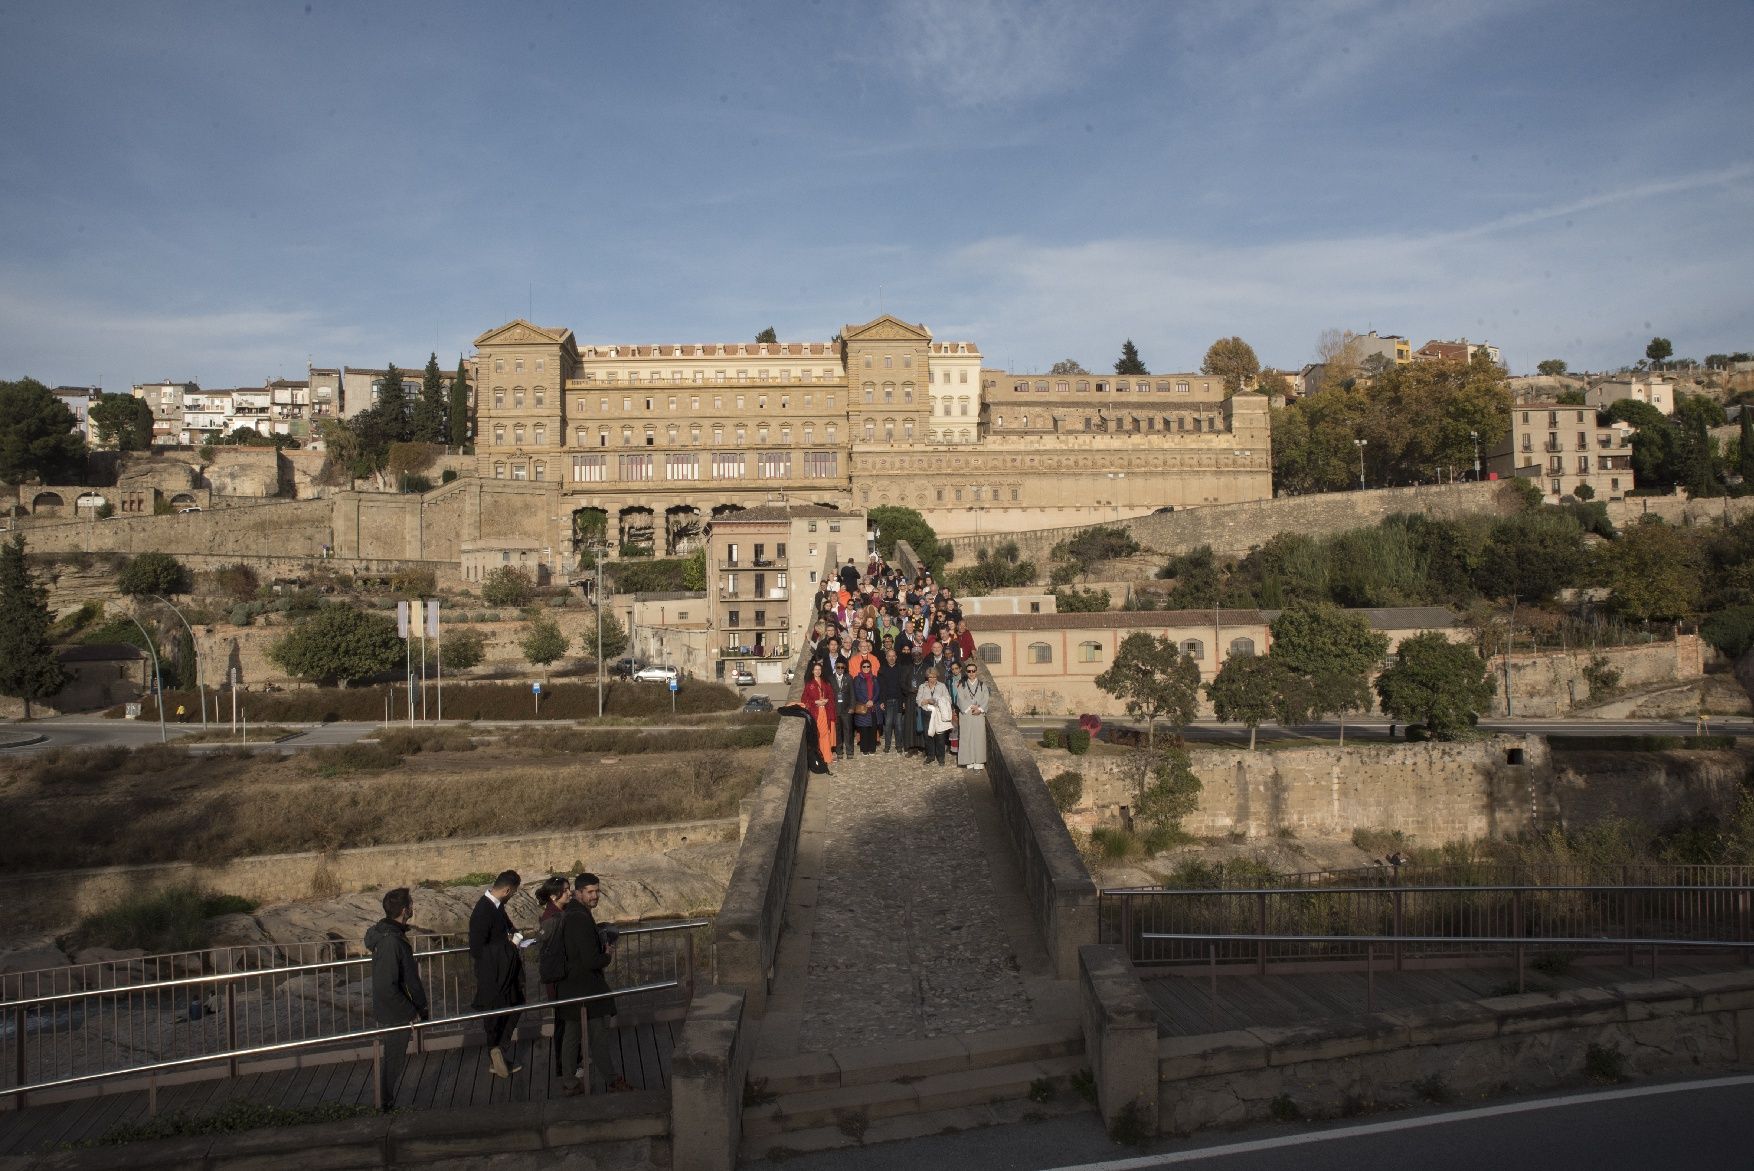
x,y
647,443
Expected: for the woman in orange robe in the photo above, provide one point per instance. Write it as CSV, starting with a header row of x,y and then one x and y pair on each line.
x,y
820,702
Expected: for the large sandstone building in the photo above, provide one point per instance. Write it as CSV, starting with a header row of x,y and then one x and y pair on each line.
x,y
645,444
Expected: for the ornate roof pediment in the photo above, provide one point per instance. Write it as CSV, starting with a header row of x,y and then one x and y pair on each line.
x,y
522,332
886,329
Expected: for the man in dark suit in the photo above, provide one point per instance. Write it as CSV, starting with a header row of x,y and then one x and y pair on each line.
x,y
499,971
843,698
589,949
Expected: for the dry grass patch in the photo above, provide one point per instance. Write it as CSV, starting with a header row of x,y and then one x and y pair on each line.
x,y
160,804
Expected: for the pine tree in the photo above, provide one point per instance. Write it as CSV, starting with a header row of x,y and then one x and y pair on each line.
x,y
1745,454
459,407
767,335
431,410
28,667
1130,362
393,417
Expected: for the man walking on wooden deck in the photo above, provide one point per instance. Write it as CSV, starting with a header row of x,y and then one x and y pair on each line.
x,y
398,996
499,970
589,949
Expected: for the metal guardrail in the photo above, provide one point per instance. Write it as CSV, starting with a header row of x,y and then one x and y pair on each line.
x,y
104,1030
1263,926
375,1035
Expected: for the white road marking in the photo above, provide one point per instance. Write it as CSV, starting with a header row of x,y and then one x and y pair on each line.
x,y
1146,1162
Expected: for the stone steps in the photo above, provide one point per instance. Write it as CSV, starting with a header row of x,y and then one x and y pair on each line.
x,y
880,1093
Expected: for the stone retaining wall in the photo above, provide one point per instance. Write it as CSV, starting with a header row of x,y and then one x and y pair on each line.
x,y
1534,1041
273,878
1434,792
1233,529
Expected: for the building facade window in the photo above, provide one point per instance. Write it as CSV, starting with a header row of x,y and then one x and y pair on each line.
x,y
1040,652
989,652
1090,652
588,469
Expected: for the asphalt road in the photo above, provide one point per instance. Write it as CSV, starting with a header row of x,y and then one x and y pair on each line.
x,y
1702,1125
86,732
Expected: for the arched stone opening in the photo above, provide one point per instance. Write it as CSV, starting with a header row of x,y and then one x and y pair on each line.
x,y
682,529
47,503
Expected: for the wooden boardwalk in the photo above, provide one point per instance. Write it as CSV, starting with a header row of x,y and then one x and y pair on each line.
x,y
1185,1005
439,1079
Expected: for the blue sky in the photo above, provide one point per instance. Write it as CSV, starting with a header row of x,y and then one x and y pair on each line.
x,y
221,191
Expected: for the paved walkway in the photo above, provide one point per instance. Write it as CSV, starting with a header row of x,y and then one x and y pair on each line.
x,y
906,917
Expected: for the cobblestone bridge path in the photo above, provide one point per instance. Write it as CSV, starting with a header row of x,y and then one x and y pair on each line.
x,y
906,919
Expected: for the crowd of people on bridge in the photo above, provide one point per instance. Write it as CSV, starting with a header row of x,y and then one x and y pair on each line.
x,y
891,668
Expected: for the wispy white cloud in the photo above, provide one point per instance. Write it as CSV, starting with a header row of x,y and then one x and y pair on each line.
x,y
1584,292
981,52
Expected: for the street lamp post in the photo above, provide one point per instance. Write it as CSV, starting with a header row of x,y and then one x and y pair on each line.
x,y
195,645
1360,443
1475,436
157,676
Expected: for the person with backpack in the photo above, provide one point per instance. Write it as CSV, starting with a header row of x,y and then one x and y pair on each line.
x,y
552,896
582,953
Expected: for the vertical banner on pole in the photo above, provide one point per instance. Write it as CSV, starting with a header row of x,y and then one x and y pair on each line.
x,y
432,632
403,613
417,629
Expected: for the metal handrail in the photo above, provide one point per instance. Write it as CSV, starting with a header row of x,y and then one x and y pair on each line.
x,y
286,1046
1342,890
258,973
1523,940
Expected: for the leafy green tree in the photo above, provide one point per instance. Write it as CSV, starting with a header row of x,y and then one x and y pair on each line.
x,y
1329,656
694,570
1659,351
1272,382
1165,788
1434,681
431,421
1075,601
122,421
1571,398
1532,556
340,644
1313,440
1550,367
1246,691
457,407
153,573
1655,572
1197,579
1234,360
506,585
1067,366
543,642
29,669
614,639
1154,680
1656,442
767,335
37,436
905,524
463,649
1129,362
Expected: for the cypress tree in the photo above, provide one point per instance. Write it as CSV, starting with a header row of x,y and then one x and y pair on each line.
x,y
28,667
432,409
1745,454
459,406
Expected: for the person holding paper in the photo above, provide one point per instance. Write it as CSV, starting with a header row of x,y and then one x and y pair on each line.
x,y
499,970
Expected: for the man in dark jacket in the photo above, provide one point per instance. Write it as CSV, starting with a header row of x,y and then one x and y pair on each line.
x,y
897,711
499,971
843,699
588,952
849,577
398,996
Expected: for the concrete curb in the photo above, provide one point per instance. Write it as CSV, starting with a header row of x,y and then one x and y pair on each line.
x,y
24,742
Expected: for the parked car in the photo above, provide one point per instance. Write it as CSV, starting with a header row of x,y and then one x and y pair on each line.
x,y
742,676
656,674
191,508
758,703
623,669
